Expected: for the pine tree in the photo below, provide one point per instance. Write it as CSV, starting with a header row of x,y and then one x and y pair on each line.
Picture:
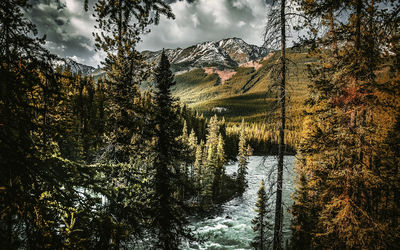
x,y
192,139
185,136
261,223
219,171
303,219
243,155
212,132
25,133
209,177
198,165
125,69
193,153
211,164
169,220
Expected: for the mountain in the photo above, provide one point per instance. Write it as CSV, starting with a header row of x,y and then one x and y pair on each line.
x,y
224,54
75,67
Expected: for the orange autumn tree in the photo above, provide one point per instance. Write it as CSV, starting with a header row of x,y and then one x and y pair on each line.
x,y
347,186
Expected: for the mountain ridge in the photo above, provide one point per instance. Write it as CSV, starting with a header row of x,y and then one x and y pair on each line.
x,y
225,54
74,66
228,53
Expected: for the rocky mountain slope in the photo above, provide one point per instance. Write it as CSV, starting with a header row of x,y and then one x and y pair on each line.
x,y
224,54
75,67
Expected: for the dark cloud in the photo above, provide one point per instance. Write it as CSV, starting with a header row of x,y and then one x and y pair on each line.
x,y
60,21
173,1
69,28
205,20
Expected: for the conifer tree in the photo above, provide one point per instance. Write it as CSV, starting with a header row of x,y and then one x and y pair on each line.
x,y
192,139
210,160
193,152
198,165
185,136
243,155
261,223
125,69
209,177
212,132
221,153
303,218
169,220
219,171
24,132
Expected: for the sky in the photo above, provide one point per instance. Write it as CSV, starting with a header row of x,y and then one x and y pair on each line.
x,y
68,28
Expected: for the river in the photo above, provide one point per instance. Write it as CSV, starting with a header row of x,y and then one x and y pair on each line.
x,y
232,228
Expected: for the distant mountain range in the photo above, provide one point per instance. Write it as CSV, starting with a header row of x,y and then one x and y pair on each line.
x,y
75,67
224,54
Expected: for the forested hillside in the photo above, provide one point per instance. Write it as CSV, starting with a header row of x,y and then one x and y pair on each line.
x,y
250,94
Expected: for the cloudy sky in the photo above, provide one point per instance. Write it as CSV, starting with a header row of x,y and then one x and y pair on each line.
x,y
69,29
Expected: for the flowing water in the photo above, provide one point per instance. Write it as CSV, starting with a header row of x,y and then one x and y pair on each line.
x,y
232,228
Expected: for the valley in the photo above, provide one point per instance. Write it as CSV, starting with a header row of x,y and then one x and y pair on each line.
x,y
232,79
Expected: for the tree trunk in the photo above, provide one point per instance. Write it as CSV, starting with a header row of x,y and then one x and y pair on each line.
x,y
332,32
358,24
278,204
119,26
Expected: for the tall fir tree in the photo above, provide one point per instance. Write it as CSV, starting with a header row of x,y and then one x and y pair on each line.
x,y
303,218
193,151
170,221
211,167
125,69
219,171
243,155
198,165
262,222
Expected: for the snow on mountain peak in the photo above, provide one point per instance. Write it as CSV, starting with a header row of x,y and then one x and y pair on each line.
x,y
74,66
226,53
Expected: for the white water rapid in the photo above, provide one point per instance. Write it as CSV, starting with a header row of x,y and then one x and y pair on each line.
x,y
232,228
